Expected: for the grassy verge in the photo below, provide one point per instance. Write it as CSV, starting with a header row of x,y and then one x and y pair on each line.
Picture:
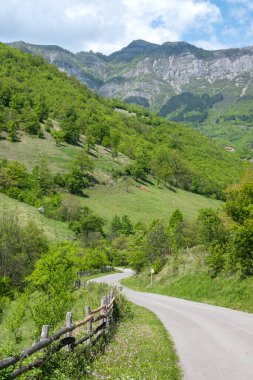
x,y
141,349
190,279
138,347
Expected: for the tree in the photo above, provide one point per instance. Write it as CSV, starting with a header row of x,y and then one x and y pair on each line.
x,y
43,178
136,251
211,229
157,243
75,182
161,165
126,226
58,136
12,128
175,219
140,168
175,229
20,246
53,279
83,162
115,226
241,248
93,259
32,124
71,131
87,225
239,204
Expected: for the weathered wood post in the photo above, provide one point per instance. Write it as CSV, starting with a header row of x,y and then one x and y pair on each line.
x,y
111,294
111,312
103,311
89,324
107,311
44,332
69,323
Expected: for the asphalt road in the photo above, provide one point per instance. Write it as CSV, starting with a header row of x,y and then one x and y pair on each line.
x,y
213,343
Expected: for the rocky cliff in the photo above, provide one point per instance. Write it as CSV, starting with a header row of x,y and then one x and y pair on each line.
x,y
177,79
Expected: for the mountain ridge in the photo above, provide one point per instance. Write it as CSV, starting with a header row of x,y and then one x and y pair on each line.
x,y
151,74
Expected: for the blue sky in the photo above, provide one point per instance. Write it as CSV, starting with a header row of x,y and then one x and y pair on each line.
x,y
107,26
234,29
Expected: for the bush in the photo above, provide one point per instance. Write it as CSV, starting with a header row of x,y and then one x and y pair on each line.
x,y
20,246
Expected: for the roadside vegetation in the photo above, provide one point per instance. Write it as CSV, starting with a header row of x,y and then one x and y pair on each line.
x,y
187,276
218,267
141,349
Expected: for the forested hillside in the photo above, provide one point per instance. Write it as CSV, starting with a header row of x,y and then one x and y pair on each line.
x,y
211,90
33,92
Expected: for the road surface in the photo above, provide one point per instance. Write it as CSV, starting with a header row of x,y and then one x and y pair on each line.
x,y
213,343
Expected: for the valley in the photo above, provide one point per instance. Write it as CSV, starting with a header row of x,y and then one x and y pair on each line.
x,y
89,183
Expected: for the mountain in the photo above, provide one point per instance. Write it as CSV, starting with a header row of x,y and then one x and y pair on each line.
x,y
178,80
33,92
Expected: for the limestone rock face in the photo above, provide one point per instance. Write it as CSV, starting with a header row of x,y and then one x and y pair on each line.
x,y
155,72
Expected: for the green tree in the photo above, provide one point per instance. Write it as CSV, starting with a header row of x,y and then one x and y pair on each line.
x,y
53,279
115,226
87,225
126,226
211,229
21,244
58,136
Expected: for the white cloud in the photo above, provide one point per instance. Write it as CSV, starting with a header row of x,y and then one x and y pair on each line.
x,y
103,25
210,44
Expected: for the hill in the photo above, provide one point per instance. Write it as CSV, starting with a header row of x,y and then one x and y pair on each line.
x,y
161,76
92,150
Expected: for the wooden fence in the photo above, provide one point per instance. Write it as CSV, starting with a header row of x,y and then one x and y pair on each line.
x,y
101,317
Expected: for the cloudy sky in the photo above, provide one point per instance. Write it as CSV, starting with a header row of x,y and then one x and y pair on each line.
x,y
108,25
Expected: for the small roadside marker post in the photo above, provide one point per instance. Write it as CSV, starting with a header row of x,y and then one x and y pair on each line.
x,y
152,272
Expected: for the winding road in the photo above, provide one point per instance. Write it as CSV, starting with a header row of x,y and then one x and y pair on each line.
x,y
213,343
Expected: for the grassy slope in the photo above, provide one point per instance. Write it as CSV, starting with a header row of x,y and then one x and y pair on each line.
x,y
145,204
141,349
188,278
54,230
113,197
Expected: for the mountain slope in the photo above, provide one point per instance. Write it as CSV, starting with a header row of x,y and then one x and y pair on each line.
x,y
39,100
152,75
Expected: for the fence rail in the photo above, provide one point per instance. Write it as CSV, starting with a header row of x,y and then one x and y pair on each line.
x,y
104,317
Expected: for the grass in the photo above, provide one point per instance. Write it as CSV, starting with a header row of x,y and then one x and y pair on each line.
x,y
144,204
30,150
90,295
54,230
110,197
141,349
189,278
138,348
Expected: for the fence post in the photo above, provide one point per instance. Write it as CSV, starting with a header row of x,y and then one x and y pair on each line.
x,y
103,303
44,332
111,312
69,323
89,324
111,294
107,312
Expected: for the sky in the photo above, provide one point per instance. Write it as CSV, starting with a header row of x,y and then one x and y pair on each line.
x,y
107,26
